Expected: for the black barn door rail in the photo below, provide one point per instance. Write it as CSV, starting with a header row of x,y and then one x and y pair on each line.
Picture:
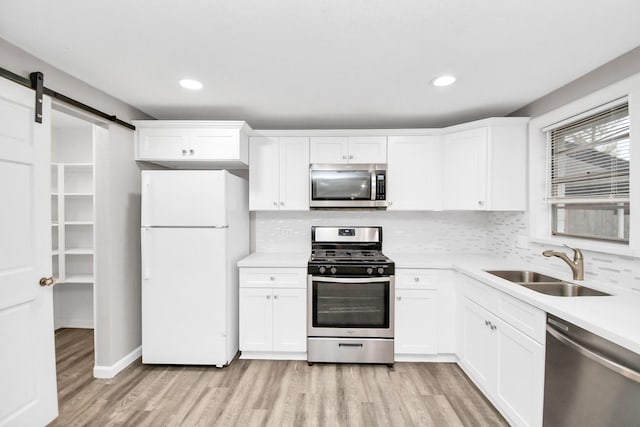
x,y
36,82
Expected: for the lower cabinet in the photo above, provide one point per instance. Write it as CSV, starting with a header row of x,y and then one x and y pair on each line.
x,y
506,363
273,319
424,313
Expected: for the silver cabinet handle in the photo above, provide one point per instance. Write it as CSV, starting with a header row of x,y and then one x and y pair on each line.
x,y
390,203
281,203
192,151
275,203
268,296
184,152
609,364
351,156
275,297
416,279
494,327
399,298
480,202
487,323
344,157
272,278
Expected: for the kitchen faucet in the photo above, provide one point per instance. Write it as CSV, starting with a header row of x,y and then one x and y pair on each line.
x,y
577,265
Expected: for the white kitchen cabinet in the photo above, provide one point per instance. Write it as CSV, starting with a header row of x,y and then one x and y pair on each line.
x,y
348,149
416,321
273,313
484,165
414,173
505,359
279,173
186,144
424,313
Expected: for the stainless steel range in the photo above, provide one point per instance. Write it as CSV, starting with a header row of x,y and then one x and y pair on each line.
x,y
350,297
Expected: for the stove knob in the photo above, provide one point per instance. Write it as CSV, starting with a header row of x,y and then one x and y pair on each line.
x,y
322,270
333,270
369,270
380,270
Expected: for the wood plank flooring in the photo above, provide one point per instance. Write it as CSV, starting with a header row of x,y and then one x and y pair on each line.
x,y
264,393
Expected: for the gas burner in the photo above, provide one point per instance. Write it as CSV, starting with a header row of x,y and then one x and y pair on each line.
x,y
348,251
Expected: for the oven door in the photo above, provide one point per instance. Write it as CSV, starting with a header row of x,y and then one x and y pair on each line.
x,y
358,307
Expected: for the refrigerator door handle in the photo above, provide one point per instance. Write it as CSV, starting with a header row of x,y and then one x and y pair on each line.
x,y
145,199
146,274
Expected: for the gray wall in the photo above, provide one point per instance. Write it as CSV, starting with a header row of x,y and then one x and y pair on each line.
x,y
618,69
118,196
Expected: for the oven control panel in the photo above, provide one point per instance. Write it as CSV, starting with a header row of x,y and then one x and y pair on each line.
x,y
351,270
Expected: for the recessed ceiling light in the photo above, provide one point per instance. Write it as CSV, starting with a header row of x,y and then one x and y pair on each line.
x,y
445,80
190,84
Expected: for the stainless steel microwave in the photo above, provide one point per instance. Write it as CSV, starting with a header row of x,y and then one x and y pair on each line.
x,y
348,186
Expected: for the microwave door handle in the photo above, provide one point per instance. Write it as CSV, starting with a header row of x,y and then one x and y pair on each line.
x,y
374,185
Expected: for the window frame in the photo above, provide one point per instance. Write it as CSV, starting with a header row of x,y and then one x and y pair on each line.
x,y
539,208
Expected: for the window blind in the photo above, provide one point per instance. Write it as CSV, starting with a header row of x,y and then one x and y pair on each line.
x,y
590,159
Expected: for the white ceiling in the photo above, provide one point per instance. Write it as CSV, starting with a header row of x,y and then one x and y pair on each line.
x,y
325,63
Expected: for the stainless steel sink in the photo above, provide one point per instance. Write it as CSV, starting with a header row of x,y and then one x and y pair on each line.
x,y
563,289
520,276
546,284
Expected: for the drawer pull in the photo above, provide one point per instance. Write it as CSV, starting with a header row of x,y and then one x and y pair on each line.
x,y
344,344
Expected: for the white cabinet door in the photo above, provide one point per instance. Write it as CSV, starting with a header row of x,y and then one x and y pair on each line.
x,y
219,144
416,329
289,320
479,344
294,173
264,174
329,149
256,319
367,149
520,382
465,169
414,173
163,143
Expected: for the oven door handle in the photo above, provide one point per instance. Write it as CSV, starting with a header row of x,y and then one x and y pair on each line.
x,y
350,279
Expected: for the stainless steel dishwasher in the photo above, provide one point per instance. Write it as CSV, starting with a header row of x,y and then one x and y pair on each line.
x,y
589,381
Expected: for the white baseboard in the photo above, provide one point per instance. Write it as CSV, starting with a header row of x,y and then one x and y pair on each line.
x,y
273,355
431,358
112,371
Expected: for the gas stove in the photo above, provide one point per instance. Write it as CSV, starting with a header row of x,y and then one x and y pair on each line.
x,y
350,297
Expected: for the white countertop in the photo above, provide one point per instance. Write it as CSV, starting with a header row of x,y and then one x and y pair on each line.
x,y
615,317
275,260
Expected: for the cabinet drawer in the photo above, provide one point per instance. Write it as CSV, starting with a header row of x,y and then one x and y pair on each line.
x,y
417,279
270,277
522,316
479,293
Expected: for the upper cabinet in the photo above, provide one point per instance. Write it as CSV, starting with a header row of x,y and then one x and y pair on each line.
x,y
484,165
414,173
279,173
348,149
193,144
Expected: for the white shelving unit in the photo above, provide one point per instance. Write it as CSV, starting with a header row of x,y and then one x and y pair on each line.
x,y
73,220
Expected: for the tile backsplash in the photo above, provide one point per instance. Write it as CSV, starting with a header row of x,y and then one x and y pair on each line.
x,y
431,232
492,233
504,227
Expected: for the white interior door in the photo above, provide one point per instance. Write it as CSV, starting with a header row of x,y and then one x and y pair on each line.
x,y
27,355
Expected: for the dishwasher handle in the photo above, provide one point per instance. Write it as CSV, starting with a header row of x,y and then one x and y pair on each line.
x,y
599,359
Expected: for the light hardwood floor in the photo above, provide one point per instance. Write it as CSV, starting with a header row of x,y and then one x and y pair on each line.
x,y
258,392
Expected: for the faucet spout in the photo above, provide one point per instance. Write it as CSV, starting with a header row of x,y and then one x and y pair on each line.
x,y
576,265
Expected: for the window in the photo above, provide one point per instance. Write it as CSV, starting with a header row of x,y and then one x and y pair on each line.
x,y
588,176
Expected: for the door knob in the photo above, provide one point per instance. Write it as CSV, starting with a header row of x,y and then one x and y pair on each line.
x,y
47,281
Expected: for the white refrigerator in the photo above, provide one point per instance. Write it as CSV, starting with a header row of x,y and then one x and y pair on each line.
x,y
195,228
